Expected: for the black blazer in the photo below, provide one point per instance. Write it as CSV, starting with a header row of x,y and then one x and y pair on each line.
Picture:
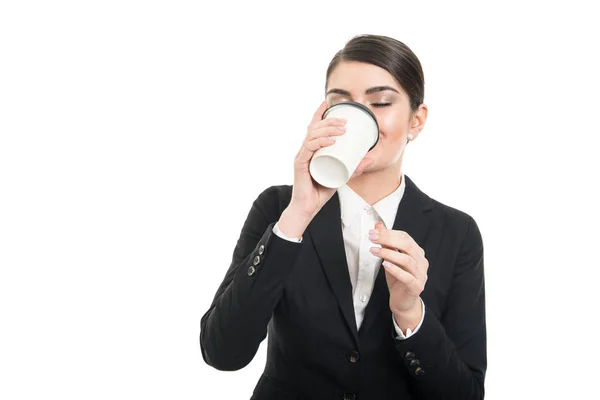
x,y
300,293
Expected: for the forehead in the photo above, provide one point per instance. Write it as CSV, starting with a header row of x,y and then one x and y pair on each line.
x,y
356,77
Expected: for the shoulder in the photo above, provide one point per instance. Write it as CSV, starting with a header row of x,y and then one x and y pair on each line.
x,y
273,200
457,223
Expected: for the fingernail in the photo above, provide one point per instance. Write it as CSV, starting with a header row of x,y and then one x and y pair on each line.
x,y
341,128
373,234
374,250
386,264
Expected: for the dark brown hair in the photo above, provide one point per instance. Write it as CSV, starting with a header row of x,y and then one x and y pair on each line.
x,y
389,54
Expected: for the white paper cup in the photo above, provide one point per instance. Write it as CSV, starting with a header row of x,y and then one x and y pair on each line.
x,y
333,166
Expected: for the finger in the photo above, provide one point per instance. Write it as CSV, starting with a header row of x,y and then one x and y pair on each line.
x,y
413,286
328,130
317,116
422,262
309,148
329,121
399,240
379,225
402,260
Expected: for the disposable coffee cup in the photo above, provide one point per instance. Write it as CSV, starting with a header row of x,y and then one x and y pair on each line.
x,y
334,165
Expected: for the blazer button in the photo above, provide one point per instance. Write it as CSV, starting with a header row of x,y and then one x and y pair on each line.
x,y
256,260
261,249
419,371
353,356
409,355
251,271
349,396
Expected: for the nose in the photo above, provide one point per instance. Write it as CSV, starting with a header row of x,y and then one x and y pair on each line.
x,y
362,101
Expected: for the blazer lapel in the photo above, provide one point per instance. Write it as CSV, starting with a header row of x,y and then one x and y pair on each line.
x,y
326,231
414,218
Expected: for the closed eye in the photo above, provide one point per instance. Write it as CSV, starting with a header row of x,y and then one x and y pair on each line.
x,y
380,104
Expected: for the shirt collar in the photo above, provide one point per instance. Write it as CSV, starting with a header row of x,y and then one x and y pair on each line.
x,y
351,204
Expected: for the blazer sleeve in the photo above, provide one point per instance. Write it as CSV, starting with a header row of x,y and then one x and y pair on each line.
x,y
236,322
447,358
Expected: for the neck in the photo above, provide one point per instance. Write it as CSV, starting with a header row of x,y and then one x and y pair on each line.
x,y
373,186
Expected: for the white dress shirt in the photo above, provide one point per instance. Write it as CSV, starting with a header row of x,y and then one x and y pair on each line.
x,y
358,217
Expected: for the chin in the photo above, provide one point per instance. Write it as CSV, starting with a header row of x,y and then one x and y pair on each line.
x,y
372,167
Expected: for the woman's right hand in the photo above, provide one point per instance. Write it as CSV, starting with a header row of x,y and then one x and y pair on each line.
x,y
308,196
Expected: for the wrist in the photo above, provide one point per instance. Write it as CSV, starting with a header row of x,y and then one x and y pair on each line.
x,y
293,223
409,319
300,212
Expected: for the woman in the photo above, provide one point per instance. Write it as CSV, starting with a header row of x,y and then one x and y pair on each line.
x,y
307,265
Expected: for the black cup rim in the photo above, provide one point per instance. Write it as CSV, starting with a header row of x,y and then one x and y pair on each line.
x,y
362,107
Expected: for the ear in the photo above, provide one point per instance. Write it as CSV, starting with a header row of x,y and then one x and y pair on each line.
x,y
418,120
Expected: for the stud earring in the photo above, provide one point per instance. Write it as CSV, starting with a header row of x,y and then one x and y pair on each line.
x,y
410,136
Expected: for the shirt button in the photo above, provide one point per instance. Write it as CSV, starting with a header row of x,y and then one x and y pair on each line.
x,y
409,355
261,249
256,260
251,271
349,396
363,297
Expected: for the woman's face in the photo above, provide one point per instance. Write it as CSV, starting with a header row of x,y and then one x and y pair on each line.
x,y
377,89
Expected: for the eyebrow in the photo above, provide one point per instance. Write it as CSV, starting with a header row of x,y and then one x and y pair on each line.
x,y
370,90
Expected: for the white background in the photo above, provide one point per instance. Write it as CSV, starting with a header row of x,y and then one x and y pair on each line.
x,y
135,136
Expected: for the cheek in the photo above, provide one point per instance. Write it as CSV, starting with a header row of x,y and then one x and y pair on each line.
x,y
392,135
390,127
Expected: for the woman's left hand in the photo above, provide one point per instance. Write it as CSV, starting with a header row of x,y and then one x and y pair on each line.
x,y
405,272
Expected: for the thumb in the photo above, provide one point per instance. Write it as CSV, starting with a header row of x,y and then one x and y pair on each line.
x,y
317,116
